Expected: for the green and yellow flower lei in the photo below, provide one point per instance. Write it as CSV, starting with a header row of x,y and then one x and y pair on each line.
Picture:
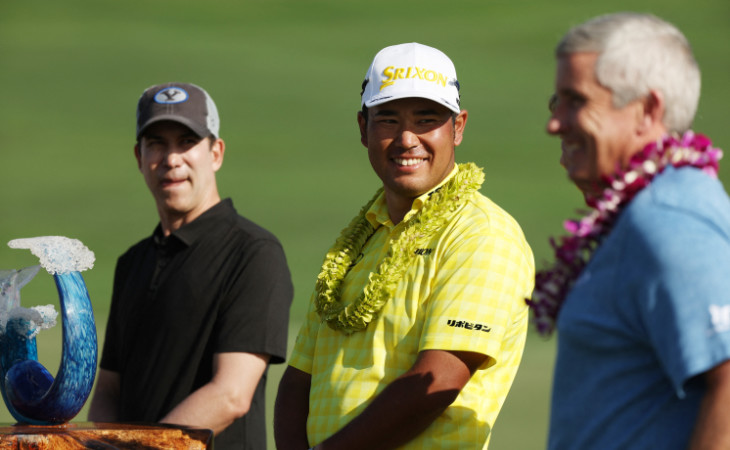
x,y
418,231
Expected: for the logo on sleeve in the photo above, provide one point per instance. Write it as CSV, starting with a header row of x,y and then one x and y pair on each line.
x,y
720,316
468,325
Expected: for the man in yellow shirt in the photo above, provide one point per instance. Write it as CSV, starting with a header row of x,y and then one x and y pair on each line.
x,y
418,320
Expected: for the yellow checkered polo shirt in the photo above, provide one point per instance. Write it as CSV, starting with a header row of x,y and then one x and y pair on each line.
x,y
465,292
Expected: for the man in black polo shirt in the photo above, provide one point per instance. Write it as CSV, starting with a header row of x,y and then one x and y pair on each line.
x,y
201,307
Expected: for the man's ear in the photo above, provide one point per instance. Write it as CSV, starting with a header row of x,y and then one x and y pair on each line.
x,y
218,148
363,124
138,156
652,113
459,125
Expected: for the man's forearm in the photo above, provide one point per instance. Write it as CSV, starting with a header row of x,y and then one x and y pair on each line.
x,y
208,407
291,410
409,404
711,429
226,397
402,411
102,410
105,402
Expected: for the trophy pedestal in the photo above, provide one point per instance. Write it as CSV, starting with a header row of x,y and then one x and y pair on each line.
x,y
103,435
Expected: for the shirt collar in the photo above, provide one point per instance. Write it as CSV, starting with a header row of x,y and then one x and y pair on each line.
x,y
198,228
377,215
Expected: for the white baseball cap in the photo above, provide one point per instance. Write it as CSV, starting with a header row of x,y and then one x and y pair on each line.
x,y
411,70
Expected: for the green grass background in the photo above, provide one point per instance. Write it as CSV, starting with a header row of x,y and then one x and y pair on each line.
x,y
286,77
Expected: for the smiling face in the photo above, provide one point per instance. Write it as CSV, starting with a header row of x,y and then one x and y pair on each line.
x,y
597,138
179,169
410,144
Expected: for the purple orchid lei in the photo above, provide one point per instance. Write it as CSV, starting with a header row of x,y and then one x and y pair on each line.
x,y
572,252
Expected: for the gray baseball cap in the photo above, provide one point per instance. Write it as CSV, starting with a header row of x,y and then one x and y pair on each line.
x,y
184,103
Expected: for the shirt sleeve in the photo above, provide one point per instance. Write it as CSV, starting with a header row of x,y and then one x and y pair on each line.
x,y
478,299
110,353
686,297
303,354
254,317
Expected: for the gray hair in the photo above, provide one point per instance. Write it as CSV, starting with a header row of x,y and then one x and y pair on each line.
x,y
638,53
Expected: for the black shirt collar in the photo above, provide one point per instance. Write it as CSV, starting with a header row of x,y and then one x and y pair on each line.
x,y
198,228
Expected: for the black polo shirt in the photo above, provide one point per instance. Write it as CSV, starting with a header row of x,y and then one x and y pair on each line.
x,y
218,284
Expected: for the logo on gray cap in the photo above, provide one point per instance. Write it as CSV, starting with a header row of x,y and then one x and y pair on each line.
x,y
171,95
184,103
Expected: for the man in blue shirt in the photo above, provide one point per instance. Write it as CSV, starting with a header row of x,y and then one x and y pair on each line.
x,y
644,330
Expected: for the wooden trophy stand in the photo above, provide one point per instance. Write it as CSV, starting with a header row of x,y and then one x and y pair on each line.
x,y
103,436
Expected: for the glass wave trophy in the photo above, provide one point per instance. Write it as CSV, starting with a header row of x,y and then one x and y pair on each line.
x,y
30,392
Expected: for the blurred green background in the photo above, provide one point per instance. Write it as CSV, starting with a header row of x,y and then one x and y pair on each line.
x,y
286,77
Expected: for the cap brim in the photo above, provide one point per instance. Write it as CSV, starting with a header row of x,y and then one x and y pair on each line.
x,y
413,94
194,127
